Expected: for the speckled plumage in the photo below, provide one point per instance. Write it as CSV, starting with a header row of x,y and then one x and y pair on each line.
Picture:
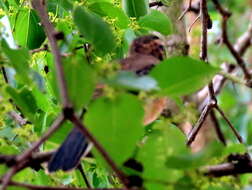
x,y
145,52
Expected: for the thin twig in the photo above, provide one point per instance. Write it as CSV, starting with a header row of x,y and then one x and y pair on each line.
x,y
81,169
195,20
21,160
4,74
233,78
229,123
217,128
204,18
245,41
7,177
39,6
44,48
225,16
186,10
193,133
56,124
34,161
16,117
203,56
240,166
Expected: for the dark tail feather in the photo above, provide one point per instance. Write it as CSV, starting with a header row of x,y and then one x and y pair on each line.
x,y
69,153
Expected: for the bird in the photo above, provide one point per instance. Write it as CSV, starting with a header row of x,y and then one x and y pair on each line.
x,y
145,52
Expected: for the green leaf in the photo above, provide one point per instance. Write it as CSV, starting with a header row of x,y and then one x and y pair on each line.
x,y
131,81
108,9
165,140
27,30
195,160
235,148
135,8
42,100
19,60
80,79
95,30
157,21
117,124
58,7
24,99
179,76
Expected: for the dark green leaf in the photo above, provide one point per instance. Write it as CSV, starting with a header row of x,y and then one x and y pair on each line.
x,y
179,76
95,30
80,78
19,60
58,7
108,9
117,124
27,30
195,160
157,21
135,8
235,149
24,100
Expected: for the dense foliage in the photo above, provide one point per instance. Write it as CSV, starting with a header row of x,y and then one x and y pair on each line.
x,y
92,36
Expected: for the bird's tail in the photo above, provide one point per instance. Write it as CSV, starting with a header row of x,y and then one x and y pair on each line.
x,y
69,153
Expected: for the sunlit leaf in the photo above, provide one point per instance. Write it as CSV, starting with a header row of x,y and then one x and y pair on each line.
x,y
80,79
117,124
24,100
157,21
95,30
179,76
165,140
135,8
27,30
108,9
19,60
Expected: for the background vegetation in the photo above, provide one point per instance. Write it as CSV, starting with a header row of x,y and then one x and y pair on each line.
x,y
54,54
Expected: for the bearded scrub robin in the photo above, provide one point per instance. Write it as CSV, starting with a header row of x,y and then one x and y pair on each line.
x,y
145,52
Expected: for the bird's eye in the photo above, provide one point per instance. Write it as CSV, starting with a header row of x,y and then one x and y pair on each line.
x,y
161,47
155,38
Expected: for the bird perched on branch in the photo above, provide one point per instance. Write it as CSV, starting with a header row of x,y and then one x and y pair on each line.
x,y
145,53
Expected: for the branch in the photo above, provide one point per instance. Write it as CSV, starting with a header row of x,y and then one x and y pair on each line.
x,y
81,169
238,136
21,160
17,118
217,128
56,124
225,16
68,112
44,48
238,164
40,187
203,56
34,161
193,133
245,41
241,45
53,36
